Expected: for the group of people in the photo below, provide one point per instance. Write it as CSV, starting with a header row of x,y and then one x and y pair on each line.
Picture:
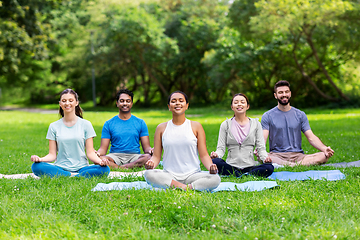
x,y
182,141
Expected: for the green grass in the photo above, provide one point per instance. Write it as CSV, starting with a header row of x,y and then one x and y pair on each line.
x,y
66,208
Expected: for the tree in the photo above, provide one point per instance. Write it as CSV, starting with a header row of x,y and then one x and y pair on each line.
x,y
315,35
34,37
156,48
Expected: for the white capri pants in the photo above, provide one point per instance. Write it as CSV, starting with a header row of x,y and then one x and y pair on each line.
x,y
199,181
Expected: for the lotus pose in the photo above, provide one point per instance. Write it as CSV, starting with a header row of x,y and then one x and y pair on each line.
x,y
241,135
124,132
183,142
69,137
283,125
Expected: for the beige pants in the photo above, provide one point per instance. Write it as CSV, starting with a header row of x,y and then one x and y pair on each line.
x,y
295,158
123,158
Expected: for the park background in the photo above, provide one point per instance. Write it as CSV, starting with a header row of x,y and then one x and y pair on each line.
x,y
210,50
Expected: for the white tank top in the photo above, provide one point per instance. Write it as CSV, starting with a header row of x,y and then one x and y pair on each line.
x,y
180,150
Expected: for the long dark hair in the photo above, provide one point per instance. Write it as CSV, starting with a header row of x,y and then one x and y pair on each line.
x,y
240,94
78,110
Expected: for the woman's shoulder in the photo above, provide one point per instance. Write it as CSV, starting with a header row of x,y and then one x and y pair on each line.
x,y
254,119
195,124
226,123
56,123
255,123
162,126
84,122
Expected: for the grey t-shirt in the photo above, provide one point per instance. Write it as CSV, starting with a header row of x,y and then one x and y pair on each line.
x,y
285,129
70,143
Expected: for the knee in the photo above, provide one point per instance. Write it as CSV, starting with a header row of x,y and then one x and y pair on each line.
x,y
269,167
105,169
216,179
213,182
35,167
217,161
150,176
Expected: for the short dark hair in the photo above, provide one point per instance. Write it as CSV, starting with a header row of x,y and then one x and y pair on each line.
x,y
281,83
186,97
126,91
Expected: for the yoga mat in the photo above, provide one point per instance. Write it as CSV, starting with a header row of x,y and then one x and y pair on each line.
x,y
112,174
224,186
344,164
331,175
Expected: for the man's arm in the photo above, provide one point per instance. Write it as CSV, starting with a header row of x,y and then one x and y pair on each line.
x,y
316,143
145,143
104,146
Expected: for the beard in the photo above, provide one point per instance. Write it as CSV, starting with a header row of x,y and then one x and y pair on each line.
x,y
284,103
125,111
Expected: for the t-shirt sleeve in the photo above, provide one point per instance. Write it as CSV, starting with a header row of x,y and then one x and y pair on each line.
x,y
51,134
105,131
144,130
265,121
305,126
89,130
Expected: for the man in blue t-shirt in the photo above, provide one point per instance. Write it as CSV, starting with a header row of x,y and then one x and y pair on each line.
x,y
124,132
283,125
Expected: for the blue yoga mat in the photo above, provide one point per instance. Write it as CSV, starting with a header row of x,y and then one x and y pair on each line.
x,y
224,186
331,175
343,164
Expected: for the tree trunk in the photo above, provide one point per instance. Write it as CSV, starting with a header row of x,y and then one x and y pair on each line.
x,y
148,71
307,77
310,42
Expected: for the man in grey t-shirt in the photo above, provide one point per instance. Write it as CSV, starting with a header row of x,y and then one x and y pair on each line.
x,y
283,125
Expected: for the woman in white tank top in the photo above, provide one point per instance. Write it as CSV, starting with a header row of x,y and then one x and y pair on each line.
x,y
183,142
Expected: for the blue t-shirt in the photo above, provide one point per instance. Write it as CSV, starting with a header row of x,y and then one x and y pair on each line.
x,y
285,129
124,135
70,143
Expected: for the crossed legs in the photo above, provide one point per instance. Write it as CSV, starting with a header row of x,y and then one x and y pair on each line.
x,y
198,181
293,159
139,162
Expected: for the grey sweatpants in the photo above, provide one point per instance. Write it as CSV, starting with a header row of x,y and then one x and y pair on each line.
x,y
199,180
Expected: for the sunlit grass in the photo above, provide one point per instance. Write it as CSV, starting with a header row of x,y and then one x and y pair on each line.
x,y
66,207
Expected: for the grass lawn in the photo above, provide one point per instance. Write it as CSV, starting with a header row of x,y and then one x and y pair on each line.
x,y
66,208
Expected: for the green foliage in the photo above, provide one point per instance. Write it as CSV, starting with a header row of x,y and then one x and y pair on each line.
x,y
67,208
311,38
209,49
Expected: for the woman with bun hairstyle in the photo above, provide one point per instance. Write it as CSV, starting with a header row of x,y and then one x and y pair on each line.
x,y
69,137
241,135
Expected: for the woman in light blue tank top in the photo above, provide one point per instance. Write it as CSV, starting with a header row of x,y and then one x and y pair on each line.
x,y
183,142
69,137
